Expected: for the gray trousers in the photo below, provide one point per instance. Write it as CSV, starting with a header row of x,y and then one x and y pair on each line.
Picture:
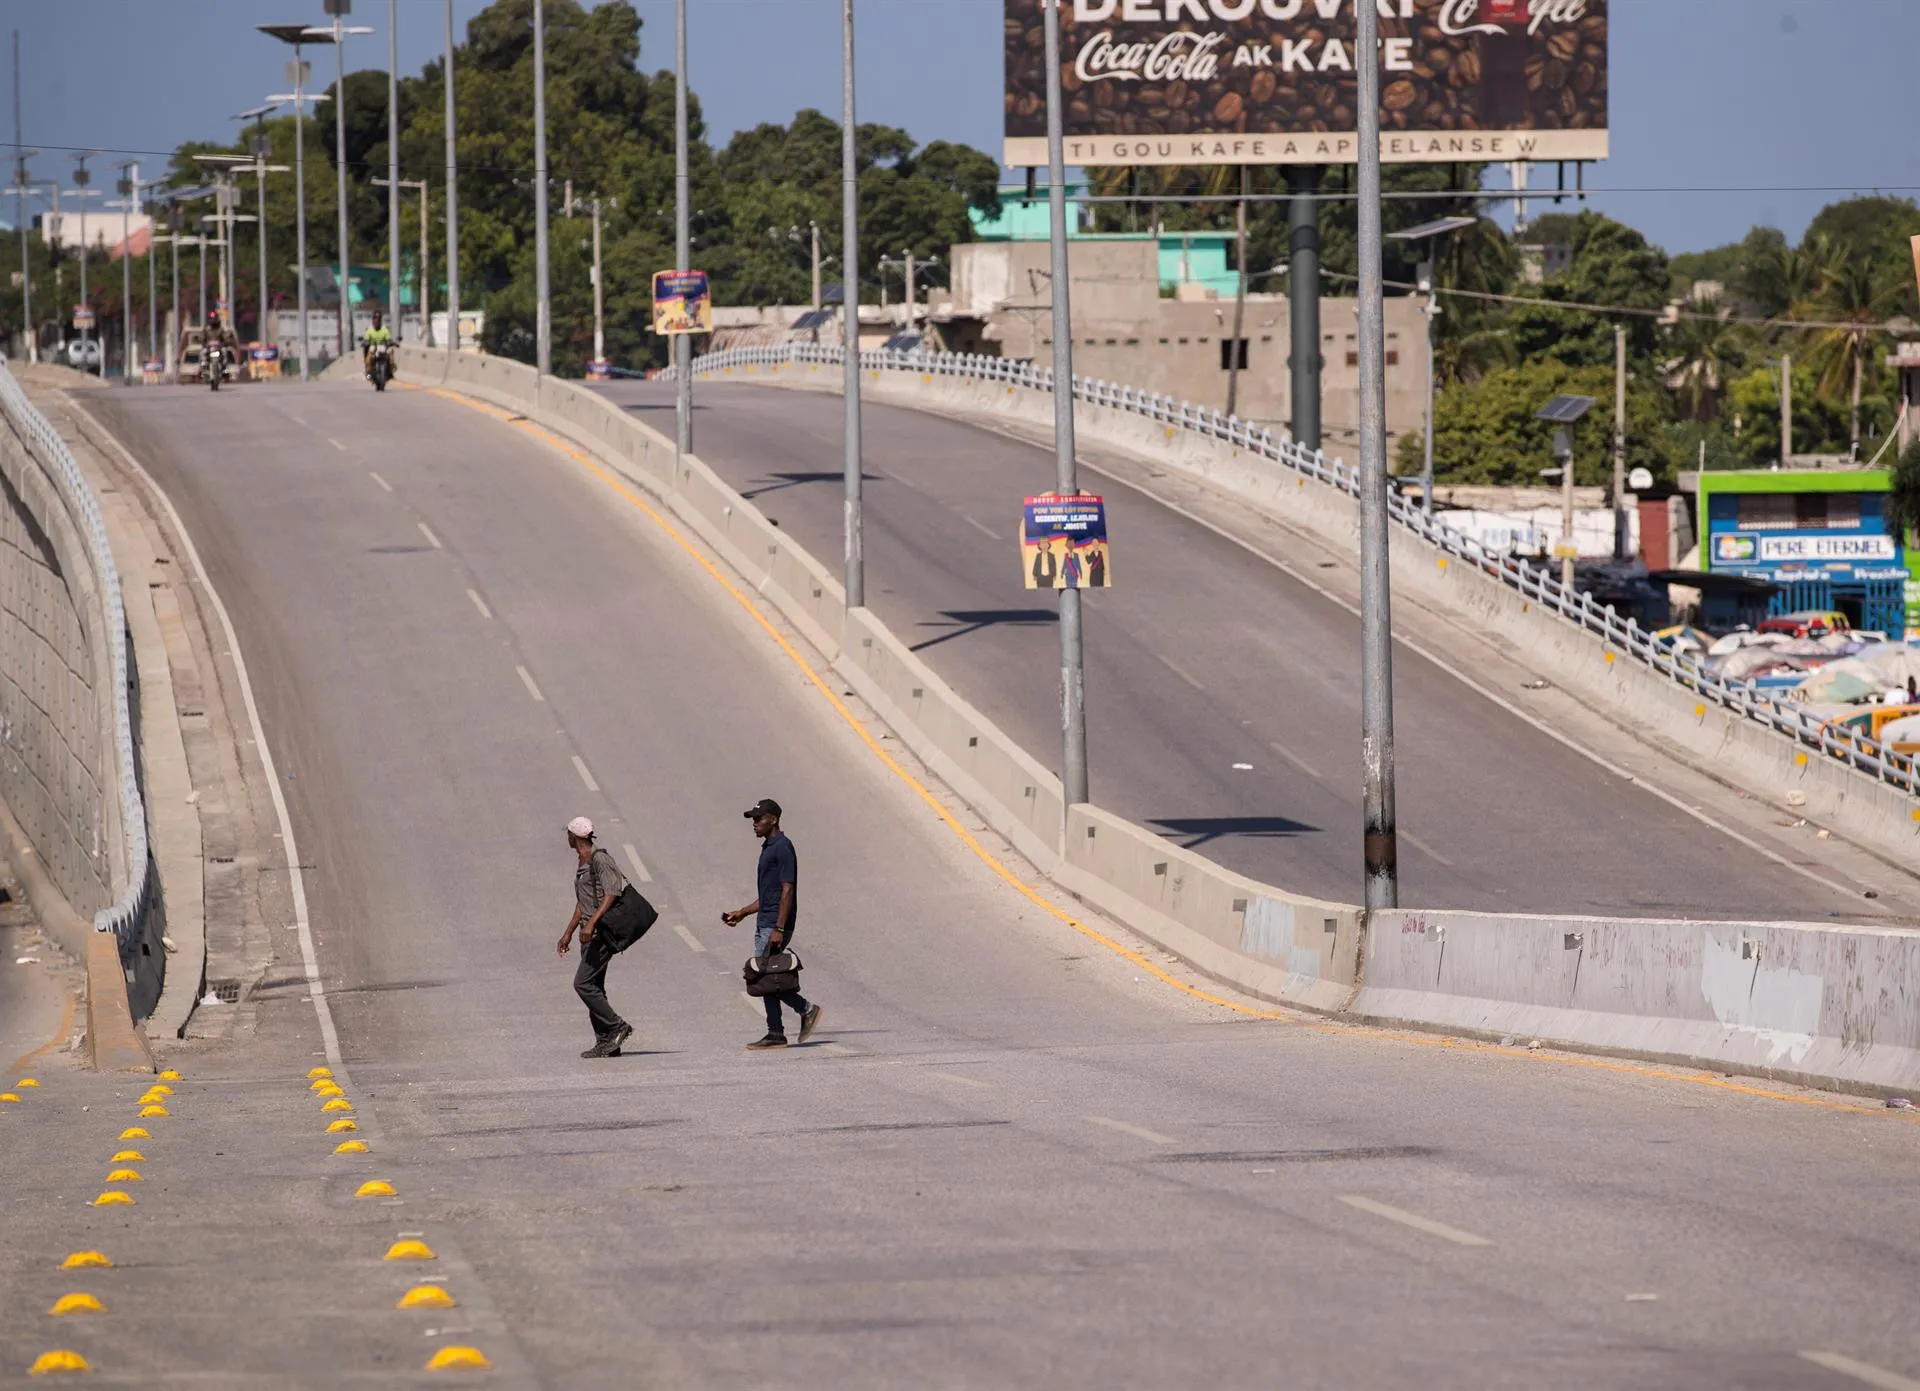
x,y
590,984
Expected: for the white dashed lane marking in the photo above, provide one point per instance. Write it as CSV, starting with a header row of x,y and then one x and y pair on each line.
x,y
692,941
639,865
1414,1220
580,766
1862,1372
1138,1132
427,532
526,678
480,604
378,479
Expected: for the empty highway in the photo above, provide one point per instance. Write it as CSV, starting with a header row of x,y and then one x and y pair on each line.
x,y
1010,1158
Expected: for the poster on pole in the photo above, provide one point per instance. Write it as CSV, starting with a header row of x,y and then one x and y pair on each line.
x,y
83,316
682,302
1063,542
1171,82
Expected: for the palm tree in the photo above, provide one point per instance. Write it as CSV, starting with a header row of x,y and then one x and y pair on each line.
x,y
1708,351
1903,493
1858,310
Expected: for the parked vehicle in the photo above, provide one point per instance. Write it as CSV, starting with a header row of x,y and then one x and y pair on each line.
x,y
84,354
1810,623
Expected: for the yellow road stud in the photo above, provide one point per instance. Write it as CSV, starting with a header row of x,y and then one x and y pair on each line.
x,y
319,1072
325,1088
146,1111
59,1360
342,1124
337,1103
426,1297
124,1176
129,1157
159,1089
134,1133
374,1188
351,1147
154,1098
8,1096
169,1076
76,1304
26,1082
459,1359
409,1251
83,1260
113,1199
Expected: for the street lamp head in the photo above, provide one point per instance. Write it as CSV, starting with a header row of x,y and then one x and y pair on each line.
x,y
296,34
1439,227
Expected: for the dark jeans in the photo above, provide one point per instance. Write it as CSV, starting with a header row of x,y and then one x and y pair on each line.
x,y
792,999
590,983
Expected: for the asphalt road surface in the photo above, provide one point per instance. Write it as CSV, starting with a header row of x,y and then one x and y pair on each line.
x,y
1011,1157
1222,694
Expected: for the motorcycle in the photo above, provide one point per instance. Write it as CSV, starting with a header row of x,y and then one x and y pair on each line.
x,y
380,365
214,360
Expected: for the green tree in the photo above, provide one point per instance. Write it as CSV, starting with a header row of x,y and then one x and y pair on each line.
x,y
1707,351
1856,308
1903,493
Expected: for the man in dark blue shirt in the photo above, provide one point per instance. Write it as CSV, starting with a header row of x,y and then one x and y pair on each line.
x,y
774,913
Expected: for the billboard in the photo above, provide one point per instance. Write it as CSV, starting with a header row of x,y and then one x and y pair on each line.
x,y
1063,541
1272,81
682,302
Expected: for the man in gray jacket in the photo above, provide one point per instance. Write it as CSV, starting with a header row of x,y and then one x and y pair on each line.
x,y
597,886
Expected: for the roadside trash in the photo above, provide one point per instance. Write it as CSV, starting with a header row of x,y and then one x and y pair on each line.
x,y
1823,835
211,999
1796,799
25,960
1871,893
1507,1041
1642,1298
169,944
1533,1044
1899,1103
1535,685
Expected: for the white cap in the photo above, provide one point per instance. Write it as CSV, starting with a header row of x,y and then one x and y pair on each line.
x,y
580,827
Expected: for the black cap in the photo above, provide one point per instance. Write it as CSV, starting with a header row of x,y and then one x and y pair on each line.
x,y
766,806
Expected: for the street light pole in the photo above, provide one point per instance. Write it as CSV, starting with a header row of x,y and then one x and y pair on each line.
x,y
338,32
599,322
297,34
426,307
682,235
129,178
1381,848
393,165
173,304
543,310
20,152
855,571
815,228
1073,695
453,204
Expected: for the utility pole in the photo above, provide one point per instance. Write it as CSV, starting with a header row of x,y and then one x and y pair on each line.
x,y
339,9
1620,442
20,183
127,187
816,263
297,72
599,317
1786,410
426,306
173,303
153,287
81,192
453,204
393,166
1430,271
543,309
1239,297
908,255
1073,695
855,571
1381,845
682,236
1303,302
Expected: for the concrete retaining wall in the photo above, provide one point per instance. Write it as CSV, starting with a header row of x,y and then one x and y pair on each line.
x,y
1726,996
1732,748
56,732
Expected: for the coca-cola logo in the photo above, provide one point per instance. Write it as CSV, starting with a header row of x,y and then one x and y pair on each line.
x,y
1500,16
1175,57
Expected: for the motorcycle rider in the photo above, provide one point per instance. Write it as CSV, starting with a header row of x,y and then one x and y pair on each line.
x,y
374,337
220,336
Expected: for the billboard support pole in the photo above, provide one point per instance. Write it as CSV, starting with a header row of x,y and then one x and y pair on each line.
x,y
855,576
682,237
1073,706
1376,635
1303,301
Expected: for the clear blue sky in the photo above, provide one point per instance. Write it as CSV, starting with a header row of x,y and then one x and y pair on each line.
x,y
1757,95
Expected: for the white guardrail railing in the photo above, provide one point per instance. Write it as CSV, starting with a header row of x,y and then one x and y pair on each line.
x,y
126,916
1856,751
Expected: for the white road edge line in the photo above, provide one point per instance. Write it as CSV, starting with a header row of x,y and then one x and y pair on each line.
x,y
956,1077
1180,671
639,865
527,678
480,603
984,529
336,444
1413,840
296,880
693,942
1558,736
427,532
378,479
580,766
1138,1132
1414,1220
755,1005
1861,1371
1285,753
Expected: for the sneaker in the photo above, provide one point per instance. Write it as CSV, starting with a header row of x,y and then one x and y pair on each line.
x,y
809,1022
599,1050
618,1037
770,1041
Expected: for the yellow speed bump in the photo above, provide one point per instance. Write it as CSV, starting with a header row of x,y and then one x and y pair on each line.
x,y
113,1199
155,1098
351,1147
84,1260
459,1359
338,1103
426,1297
146,1111
134,1133
169,1076
409,1251
25,1082
59,1360
374,1187
8,1096
325,1088
76,1304
124,1176
129,1157
319,1072
340,1125
159,1089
